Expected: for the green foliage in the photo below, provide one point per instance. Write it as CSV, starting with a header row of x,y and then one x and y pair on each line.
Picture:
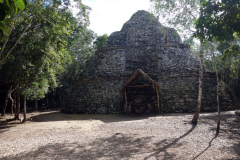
x,y
218,20
189,41
38,44
222,46
8,11
232,51
9,7
81,54
37,89
180,14
20,4
101,41
227,62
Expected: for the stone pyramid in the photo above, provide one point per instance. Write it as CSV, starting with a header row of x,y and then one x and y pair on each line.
x,y
143,43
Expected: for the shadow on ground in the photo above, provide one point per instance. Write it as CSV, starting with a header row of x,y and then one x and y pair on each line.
x,y
106,118
229,123
163,145
6,123
229,129
4,128
121,146
116,146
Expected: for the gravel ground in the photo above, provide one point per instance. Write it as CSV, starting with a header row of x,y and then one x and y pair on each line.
x,y
53,135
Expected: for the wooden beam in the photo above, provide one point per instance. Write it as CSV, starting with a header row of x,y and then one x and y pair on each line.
x,y
139,86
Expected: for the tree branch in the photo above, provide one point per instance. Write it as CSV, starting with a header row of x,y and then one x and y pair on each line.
x,y
16,42
4,44
190,13
9,34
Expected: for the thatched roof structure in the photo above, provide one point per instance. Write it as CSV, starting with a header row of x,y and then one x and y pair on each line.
x,y
136,74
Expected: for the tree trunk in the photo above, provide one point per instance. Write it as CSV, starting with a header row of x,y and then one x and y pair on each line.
x,y
12,104
6,100
17,109
24,109
218,108
56,104
233,83
36,105
15,103
59,101
196,115
47,100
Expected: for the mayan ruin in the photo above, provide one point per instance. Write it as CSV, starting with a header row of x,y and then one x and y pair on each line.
x,y
145,68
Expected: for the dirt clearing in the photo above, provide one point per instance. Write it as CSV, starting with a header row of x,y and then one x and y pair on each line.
x,y
54,135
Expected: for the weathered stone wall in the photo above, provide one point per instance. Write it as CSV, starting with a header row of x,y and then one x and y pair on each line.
x,y
175,60
96,96
143,43
108,63
179,94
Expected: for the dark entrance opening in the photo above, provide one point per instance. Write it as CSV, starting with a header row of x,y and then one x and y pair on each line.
x,y
142,94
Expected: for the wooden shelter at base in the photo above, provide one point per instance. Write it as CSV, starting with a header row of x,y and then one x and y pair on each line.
x,y
142,94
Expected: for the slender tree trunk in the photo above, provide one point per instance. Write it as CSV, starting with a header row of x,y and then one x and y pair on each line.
x,y
59,101
47,100
56,97
36,105
226,78
17,109
15,104
196,115
218,108
233,83
12,103
6,100
24,109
